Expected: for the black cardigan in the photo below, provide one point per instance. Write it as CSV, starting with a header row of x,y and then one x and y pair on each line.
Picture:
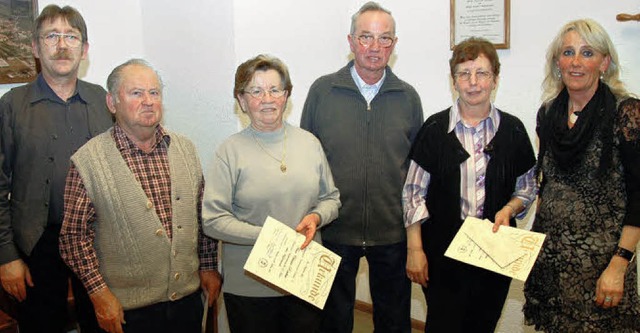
x,y
440,153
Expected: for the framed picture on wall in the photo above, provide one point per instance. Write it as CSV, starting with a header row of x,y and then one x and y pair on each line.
x,y
480,18
17,63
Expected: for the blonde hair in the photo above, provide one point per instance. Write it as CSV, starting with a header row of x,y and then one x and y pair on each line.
x,y
596,37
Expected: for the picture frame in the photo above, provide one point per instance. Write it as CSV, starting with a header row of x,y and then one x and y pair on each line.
x,y
489,19
17,63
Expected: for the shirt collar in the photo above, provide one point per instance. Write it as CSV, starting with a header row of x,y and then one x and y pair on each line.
x,y
123,143
44,92
363,85
455,118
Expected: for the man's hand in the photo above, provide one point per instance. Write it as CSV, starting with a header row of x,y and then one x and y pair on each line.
x,y
210,282
108,310
308,227
13,276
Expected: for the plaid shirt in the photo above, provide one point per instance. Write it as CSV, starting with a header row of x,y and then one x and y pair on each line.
x,y
152,172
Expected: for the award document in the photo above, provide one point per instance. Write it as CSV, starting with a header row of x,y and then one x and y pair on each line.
x,y
276,258
510,251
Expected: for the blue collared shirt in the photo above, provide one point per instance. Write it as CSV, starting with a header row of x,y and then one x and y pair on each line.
x,y
368,91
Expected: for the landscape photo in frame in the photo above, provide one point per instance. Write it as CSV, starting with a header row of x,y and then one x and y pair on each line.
x,y
17,63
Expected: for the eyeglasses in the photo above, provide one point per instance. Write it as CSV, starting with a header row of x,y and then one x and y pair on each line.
x,y
53,38
480,75
368,40
259,93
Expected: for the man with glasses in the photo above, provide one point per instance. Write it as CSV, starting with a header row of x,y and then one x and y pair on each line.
x,y
41,125
366,119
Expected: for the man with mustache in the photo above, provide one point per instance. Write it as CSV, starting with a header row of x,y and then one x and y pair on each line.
x,y
41,125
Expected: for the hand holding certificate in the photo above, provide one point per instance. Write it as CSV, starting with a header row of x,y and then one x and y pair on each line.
x,y
510,251
276,257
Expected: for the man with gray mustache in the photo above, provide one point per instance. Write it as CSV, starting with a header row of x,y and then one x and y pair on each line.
x,y
41,125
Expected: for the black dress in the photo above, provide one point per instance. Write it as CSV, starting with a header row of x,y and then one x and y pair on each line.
x,y
582,215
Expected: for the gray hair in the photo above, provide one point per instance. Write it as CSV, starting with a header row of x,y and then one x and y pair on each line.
x,y
115,78
370,6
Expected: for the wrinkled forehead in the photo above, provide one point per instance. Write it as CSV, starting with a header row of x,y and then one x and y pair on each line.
x,y
267,77
375,21
139,77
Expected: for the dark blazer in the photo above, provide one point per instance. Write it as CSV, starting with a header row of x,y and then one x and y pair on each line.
x,y
27,165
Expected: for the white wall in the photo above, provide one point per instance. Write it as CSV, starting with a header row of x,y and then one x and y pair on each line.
x,y
196,45
312,41
193,47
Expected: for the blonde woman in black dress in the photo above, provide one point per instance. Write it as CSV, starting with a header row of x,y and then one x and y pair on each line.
x,y
589,129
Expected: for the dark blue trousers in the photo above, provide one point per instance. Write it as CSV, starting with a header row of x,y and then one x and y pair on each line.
x,y
388,283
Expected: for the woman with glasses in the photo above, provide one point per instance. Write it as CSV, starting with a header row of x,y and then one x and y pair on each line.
x,y
585,277
470,160
268,169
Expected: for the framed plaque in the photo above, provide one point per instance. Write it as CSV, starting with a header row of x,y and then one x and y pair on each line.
x,y
17,63
488,19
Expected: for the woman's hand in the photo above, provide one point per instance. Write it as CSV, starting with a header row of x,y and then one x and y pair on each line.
x,y
308,227
417,266
610,285
502,217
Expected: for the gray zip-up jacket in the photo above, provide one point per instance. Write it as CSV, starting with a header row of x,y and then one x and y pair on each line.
x,y
367,146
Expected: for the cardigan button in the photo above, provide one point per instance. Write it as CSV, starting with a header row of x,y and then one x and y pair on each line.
x,y
176,276
173,297
149,204
159,232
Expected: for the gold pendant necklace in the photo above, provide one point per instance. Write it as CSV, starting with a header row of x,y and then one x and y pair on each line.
x,y
283,164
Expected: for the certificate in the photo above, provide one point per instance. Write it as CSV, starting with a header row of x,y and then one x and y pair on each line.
x,y
480,18
276,258
510,251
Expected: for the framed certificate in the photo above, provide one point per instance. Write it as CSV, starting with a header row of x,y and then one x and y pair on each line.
x,y
488,19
